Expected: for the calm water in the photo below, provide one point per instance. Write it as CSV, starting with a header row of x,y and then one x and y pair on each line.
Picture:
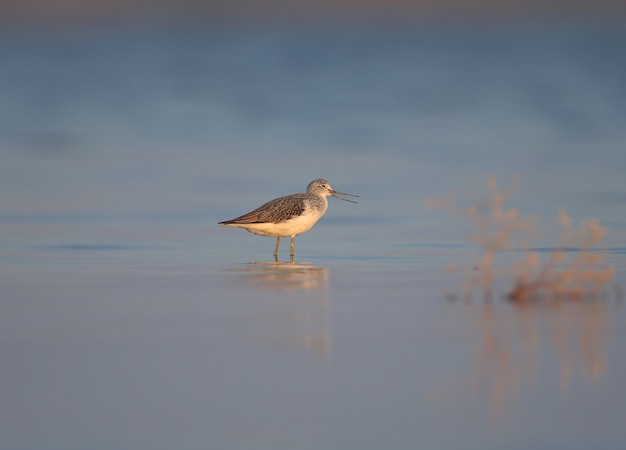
x,y
130,320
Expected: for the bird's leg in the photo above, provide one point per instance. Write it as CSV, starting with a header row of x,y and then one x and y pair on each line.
x,y
276,249
291,249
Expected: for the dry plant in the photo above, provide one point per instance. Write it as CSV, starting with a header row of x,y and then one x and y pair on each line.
x,y
574,269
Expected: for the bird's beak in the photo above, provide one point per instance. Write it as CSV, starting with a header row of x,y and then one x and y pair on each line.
x,y
337,194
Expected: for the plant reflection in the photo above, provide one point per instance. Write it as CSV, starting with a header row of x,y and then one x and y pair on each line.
x,y
294,308
516,338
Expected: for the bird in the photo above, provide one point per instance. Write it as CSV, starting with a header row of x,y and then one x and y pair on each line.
x,y
290,215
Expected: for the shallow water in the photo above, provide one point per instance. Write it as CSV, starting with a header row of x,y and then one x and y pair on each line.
x,y
130,320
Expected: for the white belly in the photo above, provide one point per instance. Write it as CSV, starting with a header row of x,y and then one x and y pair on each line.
x,y
291,227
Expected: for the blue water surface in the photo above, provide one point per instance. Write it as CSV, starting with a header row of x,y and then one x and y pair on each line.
x,y
130,320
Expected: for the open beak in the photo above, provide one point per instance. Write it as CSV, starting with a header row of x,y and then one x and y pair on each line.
x,y
337,194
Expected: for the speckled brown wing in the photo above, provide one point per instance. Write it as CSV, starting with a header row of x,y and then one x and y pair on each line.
x,y
275,211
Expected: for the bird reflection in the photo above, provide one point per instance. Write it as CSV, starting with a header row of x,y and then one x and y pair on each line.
x,y
292,305
515,337
292,277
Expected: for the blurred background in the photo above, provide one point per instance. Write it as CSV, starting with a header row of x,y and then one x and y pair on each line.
x,y
199,110
120,10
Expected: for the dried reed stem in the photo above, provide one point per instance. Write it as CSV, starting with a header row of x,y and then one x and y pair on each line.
x,y
574,269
